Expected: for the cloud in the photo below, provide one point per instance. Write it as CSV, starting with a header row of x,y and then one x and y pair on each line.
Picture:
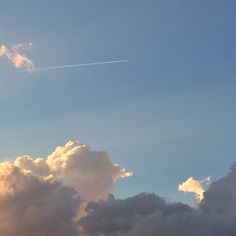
x,y
221,195
150,215
146,215
22,61
46,196
15,55
68,193
30,206
90,172
194,186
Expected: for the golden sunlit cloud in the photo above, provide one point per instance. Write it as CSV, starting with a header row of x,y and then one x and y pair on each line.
x,y
194,186
90,172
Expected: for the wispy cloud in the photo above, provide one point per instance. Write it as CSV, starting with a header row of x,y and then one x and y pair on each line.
x,y
75,65
15,54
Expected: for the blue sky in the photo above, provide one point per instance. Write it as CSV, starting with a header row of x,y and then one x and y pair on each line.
x,y
167,114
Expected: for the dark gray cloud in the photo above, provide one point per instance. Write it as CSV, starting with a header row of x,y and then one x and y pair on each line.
x,y
39,208
150,215
221,195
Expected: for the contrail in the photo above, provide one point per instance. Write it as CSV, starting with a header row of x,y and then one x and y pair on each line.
x,y
74,65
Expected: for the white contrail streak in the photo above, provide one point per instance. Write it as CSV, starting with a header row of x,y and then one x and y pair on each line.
x,y
74,65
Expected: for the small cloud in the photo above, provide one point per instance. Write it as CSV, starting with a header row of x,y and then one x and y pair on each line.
x,y
195,186
16,56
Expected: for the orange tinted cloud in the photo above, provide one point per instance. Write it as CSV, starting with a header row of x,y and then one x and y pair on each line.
x,y
194,186
15,55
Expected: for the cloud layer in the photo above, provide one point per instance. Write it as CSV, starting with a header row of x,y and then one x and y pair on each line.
x,y
68,193
150,215
89,172
16,56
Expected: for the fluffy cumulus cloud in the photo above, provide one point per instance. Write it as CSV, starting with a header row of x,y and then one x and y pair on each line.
x,y
68,193
45,196
16,56
89,172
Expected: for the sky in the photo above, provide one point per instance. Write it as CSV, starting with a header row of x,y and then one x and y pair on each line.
x,y
166,114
